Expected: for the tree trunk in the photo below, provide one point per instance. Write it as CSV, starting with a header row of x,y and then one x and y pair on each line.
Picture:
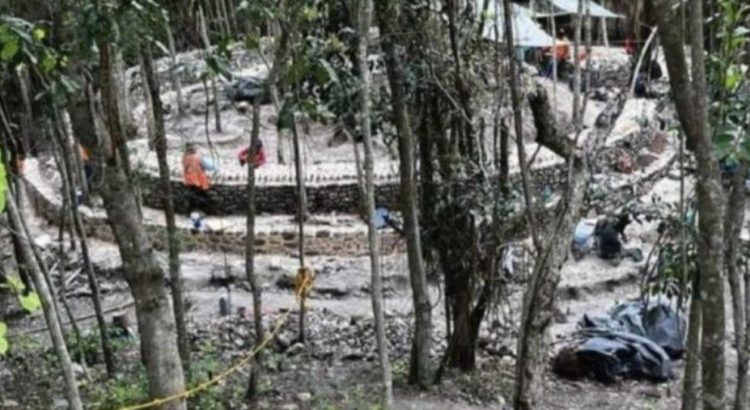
x,y
176,82
301,216
173,239
145,277
48,307
518,122
691,383
101,320
255,371
149,104
207,49
376,287
539,297
387,16
690,97
733,221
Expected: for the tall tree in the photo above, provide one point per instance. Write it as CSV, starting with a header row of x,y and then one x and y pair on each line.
x,y
364,18
145,277
64,142
689,90
250,255
387,12
48,307
173,239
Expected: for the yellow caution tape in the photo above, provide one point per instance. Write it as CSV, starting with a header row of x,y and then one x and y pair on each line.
x,y
302,287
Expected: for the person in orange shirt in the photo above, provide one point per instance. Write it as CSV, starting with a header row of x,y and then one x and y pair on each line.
x,y
88,166
195,177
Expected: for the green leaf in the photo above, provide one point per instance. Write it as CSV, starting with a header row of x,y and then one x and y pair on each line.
x,y
3,346
10,49
3,329
39,34
30,302
332,75
48,63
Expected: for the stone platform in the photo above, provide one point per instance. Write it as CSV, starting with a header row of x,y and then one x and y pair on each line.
x,y
274,234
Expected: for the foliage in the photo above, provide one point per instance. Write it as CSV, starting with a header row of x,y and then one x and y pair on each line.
x,y
125,389
3,184
28,300
730,91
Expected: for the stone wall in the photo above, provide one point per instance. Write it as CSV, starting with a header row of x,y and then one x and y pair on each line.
x,y
339,197
317,241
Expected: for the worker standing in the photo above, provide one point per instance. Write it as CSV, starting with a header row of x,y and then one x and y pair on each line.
x,y
195,177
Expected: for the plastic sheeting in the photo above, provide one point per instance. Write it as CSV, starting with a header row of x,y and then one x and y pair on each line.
x,y
526,31
565,7
609,355
634,341
659,323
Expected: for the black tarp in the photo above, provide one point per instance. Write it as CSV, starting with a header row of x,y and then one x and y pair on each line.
x,y
635,341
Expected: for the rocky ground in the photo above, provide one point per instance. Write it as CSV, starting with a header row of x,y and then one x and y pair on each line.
x,y
336,366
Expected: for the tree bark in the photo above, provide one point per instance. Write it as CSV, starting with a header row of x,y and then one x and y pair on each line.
x,y
207,49
256,370
146,279
691,378
733,221
364,20
173,239
518,122
690,97
48,307
176,82
387,17
539,297
68,172
301,216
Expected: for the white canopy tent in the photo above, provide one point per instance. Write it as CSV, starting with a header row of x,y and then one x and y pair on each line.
x,y
526,31
566,7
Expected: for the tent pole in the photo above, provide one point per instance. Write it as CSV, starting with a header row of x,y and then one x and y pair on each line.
x,y
604,32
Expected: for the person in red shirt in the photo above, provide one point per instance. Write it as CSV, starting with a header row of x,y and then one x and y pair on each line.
x,y
258,154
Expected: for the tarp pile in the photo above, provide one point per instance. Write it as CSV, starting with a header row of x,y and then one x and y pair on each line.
x,y
636,341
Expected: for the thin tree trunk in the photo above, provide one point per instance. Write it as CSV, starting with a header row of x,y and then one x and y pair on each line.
x,y
690,97
691,378
80,175
222,6
733,221
149,104
301,215
518,122
173,239
419,369
176,82
280,57
364,20
48,307
88,265
255,371
66,208
207,49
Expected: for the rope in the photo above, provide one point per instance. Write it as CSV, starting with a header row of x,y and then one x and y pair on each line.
x,y
300,291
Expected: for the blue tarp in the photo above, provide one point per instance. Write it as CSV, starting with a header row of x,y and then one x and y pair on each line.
x,y
564,7
526,31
